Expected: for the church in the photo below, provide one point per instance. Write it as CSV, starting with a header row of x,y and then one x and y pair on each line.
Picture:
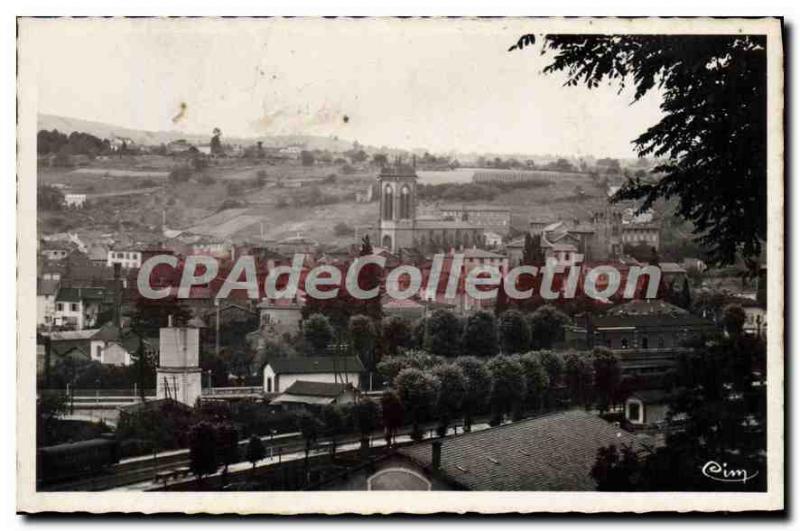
x,y
399,226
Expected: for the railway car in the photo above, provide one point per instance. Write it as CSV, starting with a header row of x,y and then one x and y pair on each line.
x,y
73,460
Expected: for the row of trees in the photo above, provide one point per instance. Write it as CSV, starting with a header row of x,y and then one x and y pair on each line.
x,y
431,387
443,333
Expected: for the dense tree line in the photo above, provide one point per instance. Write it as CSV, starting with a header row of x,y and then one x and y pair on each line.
x,y
76,143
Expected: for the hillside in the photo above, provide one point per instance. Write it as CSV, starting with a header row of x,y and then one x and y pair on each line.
x,y
103,130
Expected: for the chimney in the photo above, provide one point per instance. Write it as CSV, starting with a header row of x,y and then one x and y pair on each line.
x,y
436,458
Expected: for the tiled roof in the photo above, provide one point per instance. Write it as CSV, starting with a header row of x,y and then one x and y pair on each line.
x,y
479,253
81,294
554,452
304,388
316,365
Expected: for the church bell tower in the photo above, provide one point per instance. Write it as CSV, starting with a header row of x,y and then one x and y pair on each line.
x,y
398,193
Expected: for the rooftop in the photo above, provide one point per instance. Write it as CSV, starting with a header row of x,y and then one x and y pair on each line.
x,y
316,365
552,452
320,389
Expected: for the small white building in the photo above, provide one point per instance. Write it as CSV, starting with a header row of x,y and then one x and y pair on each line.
x,y
127,258
280,374
647,408
74,200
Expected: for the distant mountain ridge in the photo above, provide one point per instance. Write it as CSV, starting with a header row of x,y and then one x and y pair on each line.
x,y
67,125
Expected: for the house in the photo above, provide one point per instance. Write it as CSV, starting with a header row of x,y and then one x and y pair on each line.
x,y
46,291
641,324
407,309
78,308
492,239
303,394
280,374
285,315
125,257
552,452
491,217
74,200
108,345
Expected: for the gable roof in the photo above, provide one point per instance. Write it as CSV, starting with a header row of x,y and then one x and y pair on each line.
x,y
316,365
323,389
551,452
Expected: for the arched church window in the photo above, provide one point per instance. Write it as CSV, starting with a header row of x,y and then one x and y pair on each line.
x,y
388,202
405,203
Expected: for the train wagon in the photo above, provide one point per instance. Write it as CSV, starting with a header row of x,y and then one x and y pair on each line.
x,y
74,460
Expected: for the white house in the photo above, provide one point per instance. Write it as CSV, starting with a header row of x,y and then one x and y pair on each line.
x,y
74,200
106,345
127,258
78,308
280,374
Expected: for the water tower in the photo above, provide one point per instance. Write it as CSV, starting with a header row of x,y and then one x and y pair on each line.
x,y
178,375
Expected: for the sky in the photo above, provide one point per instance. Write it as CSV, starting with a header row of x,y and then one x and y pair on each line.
x,y
443,85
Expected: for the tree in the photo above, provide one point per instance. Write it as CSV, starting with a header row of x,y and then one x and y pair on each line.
x,y
477,385
716,413
508,386
366,417
547,327
515,335
240,364
480,335
228,446
536,382
216,142
318,333
578,377
452,389
733,318
379,159
333,422
309,427
203,449
712,134
607,377
306,158
393,415
442,333
49,198
362,339
396,333
255,450
417,391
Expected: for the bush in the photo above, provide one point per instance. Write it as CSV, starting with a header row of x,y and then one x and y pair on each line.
x,y
180,174
342,229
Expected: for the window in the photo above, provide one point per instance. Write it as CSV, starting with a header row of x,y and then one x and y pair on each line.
x,y
59,307
388,202
73,307
405,203
98,351
634,412
269,385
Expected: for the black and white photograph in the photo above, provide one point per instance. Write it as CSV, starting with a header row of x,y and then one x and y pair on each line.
x,y
332,265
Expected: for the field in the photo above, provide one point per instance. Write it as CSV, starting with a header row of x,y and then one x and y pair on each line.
x,y
245,200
